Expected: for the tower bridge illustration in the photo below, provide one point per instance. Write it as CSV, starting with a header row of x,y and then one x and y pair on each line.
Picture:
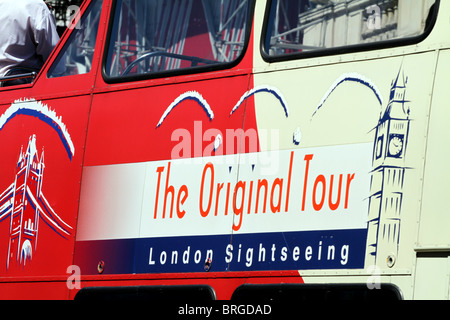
x,y
26,206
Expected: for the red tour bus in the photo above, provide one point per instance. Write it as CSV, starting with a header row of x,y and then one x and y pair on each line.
x,y
231,149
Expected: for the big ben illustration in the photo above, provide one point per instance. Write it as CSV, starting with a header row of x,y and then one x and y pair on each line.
x,y
387,177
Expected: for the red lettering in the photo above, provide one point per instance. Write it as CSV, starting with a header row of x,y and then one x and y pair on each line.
x,y
203,212
308,158
334,206
261,183
171,190
278,182
159,170
320,179
228,198
350,178
184,190
238,211
289,181
219,187
250,198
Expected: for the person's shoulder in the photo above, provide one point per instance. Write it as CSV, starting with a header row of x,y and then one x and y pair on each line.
x,y
40,3
37,9
33,5
23,5
14,7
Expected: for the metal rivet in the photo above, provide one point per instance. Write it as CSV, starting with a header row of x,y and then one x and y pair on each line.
x,y
391,260
208,263
101,267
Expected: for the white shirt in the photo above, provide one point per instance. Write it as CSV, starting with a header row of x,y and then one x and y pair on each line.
x,y
27,35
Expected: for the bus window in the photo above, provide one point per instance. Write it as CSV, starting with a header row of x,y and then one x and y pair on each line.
x,y
301,26
154,36
76,56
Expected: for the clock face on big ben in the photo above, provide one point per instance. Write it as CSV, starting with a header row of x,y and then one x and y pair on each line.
x,y
395,148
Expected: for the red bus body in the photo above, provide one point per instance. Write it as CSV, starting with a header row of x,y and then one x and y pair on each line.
x,y
93,117
99,182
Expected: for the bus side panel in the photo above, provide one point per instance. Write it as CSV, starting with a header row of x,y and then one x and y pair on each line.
x,y
433,226
43,147
433,251
357,139
155,160
34,290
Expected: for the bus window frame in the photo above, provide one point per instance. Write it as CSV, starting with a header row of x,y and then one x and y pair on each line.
x,y
41,78
362,47
171,73
84,10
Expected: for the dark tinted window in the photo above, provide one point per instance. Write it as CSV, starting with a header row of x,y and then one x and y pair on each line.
x,y
77,54
152,36
299,26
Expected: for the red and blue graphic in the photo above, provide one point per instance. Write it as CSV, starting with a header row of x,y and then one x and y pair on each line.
x,y
23,204
312,234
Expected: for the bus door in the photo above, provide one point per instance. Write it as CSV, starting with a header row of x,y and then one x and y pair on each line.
x,y
42,134
165,130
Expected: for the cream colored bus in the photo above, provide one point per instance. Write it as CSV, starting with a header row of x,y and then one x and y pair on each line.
x,y
369,81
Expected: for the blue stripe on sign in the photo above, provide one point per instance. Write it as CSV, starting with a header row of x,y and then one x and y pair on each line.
x,y
307,250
